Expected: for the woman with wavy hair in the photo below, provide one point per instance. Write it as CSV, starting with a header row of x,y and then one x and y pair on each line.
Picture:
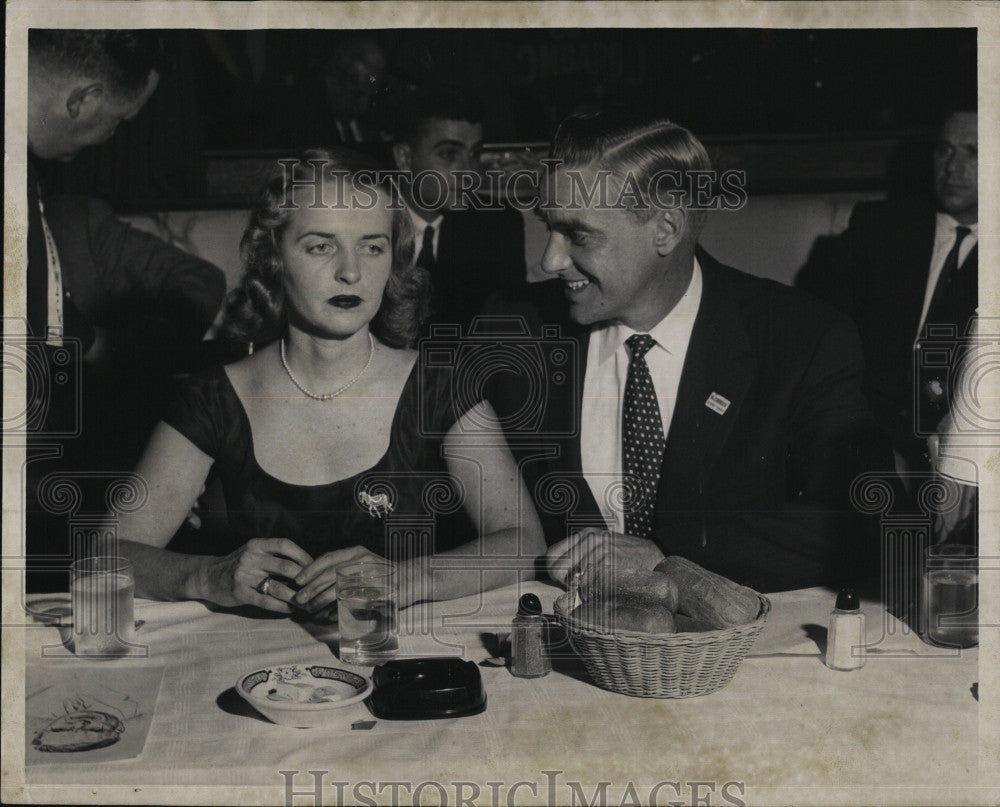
x,y
329,425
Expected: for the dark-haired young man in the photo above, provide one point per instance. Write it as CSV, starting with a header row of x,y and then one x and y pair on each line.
x,y
469,253
709,413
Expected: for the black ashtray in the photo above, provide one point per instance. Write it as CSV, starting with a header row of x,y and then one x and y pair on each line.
x,y
427,688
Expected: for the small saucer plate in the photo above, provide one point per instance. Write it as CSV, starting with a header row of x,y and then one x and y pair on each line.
x,y
50,609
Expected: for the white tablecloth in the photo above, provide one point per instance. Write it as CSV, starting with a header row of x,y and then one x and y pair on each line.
x,y
904,729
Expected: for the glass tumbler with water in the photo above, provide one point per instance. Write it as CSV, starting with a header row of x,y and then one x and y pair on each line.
x,y
366,612
951,596
102,593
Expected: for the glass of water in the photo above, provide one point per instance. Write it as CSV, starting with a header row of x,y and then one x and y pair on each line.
x,y
366,612
951,596
102,593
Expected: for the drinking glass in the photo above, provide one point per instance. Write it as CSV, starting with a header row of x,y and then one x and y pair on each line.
x,y
366,612
102,590
951,596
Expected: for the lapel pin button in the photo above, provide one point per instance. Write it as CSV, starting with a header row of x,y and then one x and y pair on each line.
x,y
717,403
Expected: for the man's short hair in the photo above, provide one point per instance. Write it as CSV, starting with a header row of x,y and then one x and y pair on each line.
x,y
121,59
961,102
642,149
444,102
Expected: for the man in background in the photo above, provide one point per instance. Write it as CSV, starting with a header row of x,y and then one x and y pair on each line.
x,y
469,253
907,272
133,308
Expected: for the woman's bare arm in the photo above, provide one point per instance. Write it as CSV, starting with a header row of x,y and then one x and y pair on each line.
x,y
175,470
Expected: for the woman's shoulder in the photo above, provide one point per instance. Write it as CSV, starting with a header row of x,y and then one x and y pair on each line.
x,y
206,393
248,374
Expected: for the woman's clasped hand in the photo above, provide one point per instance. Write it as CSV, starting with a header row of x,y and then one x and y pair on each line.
x,y
277,575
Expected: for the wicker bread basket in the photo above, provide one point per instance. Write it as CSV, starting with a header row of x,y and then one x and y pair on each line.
x,y
672,665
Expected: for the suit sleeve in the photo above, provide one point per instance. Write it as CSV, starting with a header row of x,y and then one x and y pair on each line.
x,y
136,267
513,245
819,537
835,270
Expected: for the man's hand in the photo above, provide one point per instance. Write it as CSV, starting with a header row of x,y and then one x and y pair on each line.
x,y
589,552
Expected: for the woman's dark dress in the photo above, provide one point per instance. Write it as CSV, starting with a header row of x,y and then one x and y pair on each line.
x,y
411,476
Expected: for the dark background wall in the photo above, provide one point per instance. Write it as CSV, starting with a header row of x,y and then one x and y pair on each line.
x,y
799,109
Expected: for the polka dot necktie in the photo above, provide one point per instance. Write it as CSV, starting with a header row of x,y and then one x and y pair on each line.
x,y
643,440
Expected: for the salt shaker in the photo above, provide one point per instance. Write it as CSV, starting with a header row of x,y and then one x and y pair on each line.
x,y
528,658
845,640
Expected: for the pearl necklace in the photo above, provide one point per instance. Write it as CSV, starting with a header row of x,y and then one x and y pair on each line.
x,y
330,395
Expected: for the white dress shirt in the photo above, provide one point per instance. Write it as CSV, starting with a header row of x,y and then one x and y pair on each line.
x,y
604,390
419,225
944,240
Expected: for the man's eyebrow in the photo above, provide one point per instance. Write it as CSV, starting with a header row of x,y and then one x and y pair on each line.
x,y
455,143
571,223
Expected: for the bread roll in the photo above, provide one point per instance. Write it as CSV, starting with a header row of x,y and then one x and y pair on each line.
x,y
709,597
616,615
634,588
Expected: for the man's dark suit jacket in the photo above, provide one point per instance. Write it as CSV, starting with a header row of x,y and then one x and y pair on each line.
x,y
759,493
879,278
149,304
115,275
479,253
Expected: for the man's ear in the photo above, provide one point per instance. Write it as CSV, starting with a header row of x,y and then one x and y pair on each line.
x,y
670,227
401,154
81,99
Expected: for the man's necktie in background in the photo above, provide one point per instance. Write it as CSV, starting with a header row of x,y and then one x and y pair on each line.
x,y
948,271
425,259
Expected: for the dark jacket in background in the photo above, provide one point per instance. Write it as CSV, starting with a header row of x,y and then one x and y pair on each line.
x,y
878,276
479,253
137,309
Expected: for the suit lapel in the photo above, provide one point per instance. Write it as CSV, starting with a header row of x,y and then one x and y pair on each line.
x,y
718,370
915,250
573,459
563,414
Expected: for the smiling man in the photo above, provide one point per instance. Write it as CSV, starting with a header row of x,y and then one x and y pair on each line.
x,y
720,415
907,265
469,253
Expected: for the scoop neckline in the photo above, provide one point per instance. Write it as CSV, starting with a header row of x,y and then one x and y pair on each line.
x,y
393,428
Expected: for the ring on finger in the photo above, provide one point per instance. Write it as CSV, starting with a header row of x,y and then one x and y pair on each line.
x,y
264,586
